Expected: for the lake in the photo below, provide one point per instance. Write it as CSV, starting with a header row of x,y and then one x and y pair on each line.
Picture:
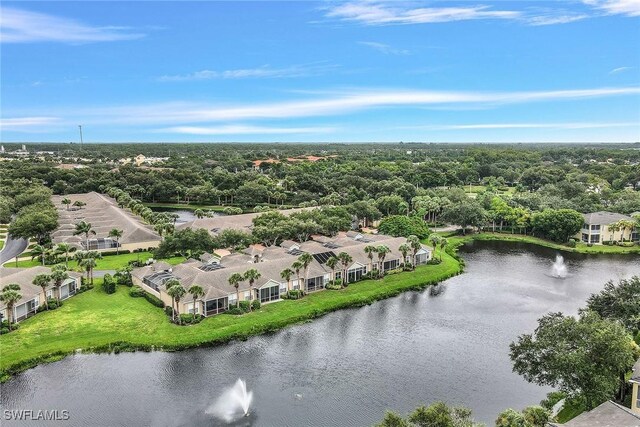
x,y
448,342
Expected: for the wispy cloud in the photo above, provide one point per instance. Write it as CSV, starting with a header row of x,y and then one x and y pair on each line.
x,y
344,102
381,13
620,70
616,7
26,123
385,48
244,130
493,126
23,26
264,71
553,19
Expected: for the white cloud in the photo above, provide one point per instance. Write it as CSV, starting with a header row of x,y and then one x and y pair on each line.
x,y
616,7
555,19
261,72
493,126
26,123
385,48
380,13
620,70
244,130
22,26
343,102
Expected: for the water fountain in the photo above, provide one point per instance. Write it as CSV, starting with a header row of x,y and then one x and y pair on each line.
x,y
559,268
233,403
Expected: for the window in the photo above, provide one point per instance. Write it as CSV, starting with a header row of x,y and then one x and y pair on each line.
x,y
356,274
315,283
595,238
585,237
595,227
270,294
215,306
391,264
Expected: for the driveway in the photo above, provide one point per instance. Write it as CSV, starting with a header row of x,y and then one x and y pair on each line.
x,y
12,248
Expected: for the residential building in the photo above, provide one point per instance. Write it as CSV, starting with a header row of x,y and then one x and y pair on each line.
x,y
104,215
597,228
32,295
635,388
608,414
212,272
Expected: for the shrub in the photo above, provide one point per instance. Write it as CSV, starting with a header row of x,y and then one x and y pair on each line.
x,y
245,306
235,311
136,292
293,294
255,304
190,319
572,243
53,304
168,311
122,251
154,300
4,331
434,261
108,284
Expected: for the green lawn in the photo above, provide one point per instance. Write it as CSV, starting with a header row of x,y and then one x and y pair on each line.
x,y
109,262
580,247
96,321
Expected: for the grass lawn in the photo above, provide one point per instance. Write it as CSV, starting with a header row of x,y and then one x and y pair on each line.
x,y
109,262
96,321
580,247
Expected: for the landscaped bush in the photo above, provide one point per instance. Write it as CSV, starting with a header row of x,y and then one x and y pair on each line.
x,y
5,325
293,294
136,292
84,288
255,304
122,251
407,266
245,306
235,311
168,311
154,300
52,303
4,331
434,261
334,284
109,284
572,243
190,319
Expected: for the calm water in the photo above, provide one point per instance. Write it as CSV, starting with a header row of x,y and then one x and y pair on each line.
x,y
448,343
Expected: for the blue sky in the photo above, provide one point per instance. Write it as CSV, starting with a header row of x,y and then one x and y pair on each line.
x,y
451,71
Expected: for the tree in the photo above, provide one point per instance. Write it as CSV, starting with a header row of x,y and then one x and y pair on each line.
x,y
185,242
404,250
382,251
370,250
79,204
364,211
85,228
58,276
466,213
66,249
108,284
116,234
66,202
196,292
332,263
557,224
415,245
583,357
345,261
297,267
43,280
391,419
438,414
88,263
305,259
176,291
619,302
39,252
234,280
10,295
532,416
36,222
443,244
251,276
435,240
286,275
403,226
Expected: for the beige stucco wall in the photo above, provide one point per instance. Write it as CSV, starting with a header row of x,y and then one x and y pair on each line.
x,y
634,398
605,234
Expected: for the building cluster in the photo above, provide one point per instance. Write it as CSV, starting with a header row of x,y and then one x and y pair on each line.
x,y
212,271
603,227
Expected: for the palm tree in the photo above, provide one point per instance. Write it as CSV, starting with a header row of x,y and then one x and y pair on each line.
x,y
64,248
199,213
345,260
305,259
117,234
10,296
88,263
443,244
39,252
286,275
297,267
59,275
168,285
235,280
414,243
43,281
79,204
251,276
626,224
85,228
382,250
176,292
370,250
404,250
332,263
196,292
66,202
435,240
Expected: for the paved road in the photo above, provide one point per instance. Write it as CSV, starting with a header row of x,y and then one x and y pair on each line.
x,y
12,248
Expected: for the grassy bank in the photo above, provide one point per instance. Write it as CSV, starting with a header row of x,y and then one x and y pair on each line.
x,y
580,247
95,321
108,262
